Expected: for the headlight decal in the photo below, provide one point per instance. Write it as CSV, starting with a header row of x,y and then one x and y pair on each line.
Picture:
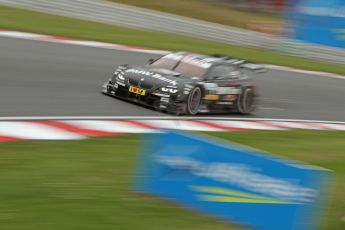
x,y
169,90
121,77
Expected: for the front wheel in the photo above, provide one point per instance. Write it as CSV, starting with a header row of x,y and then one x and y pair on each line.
x,y
247,101
194,101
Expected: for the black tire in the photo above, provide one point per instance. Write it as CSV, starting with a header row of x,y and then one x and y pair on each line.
x,y
194,101
247,101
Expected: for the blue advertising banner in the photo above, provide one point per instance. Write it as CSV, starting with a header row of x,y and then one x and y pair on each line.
x,y
319,21
237,184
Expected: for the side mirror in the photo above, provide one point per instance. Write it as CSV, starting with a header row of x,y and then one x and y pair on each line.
x,y
219,77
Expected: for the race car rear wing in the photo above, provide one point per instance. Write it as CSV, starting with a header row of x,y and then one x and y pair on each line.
x,y
258,68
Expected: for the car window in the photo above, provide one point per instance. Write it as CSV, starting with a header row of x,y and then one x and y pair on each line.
x,y
221,71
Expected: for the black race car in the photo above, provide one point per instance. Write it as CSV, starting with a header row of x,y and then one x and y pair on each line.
x,y
187,83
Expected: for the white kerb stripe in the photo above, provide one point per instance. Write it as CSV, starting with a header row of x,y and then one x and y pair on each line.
x,y
27,130
82,43
246,125
14,34
298,125
180,125
109,126
334,126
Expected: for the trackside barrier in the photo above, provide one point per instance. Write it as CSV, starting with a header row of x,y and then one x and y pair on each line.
x,y
234,183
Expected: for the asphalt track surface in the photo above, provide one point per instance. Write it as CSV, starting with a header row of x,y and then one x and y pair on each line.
x,y
48,79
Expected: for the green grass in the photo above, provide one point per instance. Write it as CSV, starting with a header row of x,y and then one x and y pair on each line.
x,y
86,184
207,10
30,21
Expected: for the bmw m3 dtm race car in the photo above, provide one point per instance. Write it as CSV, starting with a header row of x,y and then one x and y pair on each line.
x,y
187,83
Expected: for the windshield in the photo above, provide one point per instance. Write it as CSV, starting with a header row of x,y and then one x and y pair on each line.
x,y
190,70
185,65
166,62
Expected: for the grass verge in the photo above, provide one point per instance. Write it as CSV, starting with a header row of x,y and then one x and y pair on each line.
x,y
86,184
207,10
31,21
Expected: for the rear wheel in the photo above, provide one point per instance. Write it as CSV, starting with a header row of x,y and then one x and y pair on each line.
x,y
246,103
194,101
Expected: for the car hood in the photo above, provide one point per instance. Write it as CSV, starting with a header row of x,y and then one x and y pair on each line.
x,y
153,78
